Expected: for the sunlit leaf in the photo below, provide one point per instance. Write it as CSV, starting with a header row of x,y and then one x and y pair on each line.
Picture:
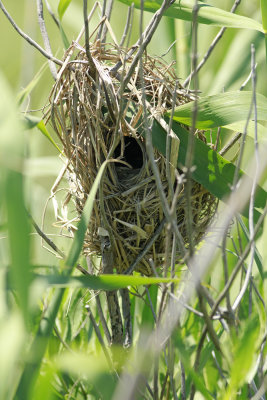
x,y
214,172
222,109
183,9
102,282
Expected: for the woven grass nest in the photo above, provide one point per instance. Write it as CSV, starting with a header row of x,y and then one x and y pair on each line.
x,y
96,121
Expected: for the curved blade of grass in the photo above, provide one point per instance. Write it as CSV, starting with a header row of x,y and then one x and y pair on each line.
x,y
77,243
64,38
62,7
32,122
102,282
40,342
221,109
183,9
212,171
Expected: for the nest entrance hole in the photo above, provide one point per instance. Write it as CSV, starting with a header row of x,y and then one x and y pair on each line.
x,y
132,153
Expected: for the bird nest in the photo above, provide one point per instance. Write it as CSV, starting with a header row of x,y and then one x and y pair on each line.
x,y
97,118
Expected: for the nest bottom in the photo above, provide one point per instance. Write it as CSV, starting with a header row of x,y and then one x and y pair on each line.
x,y
133,215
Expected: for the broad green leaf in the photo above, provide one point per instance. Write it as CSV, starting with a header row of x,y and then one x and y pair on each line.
x,y
182,9
62,7
32,122
212,171
102,282
221,109
240,127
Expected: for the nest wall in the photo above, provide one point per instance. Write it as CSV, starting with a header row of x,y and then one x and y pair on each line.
x,y
97,117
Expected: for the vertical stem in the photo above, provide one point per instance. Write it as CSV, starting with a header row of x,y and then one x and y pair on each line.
x,y
264,23
112,297
190,149
45,37
126,312
86,34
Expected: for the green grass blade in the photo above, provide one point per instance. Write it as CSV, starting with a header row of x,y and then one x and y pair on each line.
x,y
183,9
64,38
77,244
102,282
221,109
212,171
32,122
264,22
62,7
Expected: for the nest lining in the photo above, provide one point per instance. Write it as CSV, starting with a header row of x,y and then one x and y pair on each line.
x,y
97,121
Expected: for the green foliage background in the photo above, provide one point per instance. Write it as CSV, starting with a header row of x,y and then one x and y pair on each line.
x,y
72,365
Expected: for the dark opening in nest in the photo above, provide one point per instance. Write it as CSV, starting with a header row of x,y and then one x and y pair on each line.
x,y
131,152
96,121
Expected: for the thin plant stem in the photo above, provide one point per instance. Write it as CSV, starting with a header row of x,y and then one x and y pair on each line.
x,y
49,9
128,25
99,337
211,48
225,269
86,34
108,12
239,264
254,185
264,23
126,312
190,149
45,37
27,38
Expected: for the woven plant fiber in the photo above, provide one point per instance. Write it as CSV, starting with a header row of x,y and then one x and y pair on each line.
x,y
97,117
